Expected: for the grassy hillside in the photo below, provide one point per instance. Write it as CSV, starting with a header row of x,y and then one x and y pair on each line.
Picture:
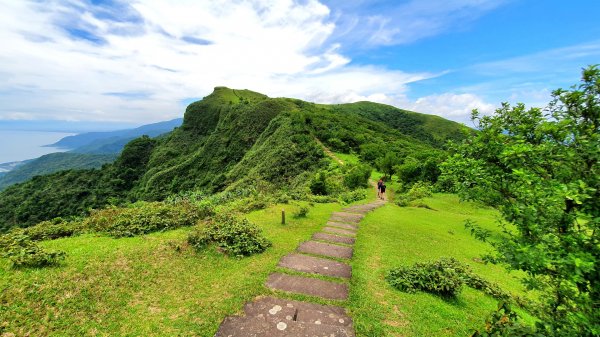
x,y
54,162
156,285
230,138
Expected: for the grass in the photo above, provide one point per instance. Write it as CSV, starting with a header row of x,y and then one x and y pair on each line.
x,y
153,285
394,236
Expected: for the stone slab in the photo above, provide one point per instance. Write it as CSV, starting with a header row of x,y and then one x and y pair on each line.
x,y
342,225
346,217
315,265
342,231
235,326
277,309
326,249
308,286
333,238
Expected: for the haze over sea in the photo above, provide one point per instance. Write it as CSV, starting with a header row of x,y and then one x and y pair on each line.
x,y
23,145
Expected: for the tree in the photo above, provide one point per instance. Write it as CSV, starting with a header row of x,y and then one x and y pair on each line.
x,y
540,168
386,164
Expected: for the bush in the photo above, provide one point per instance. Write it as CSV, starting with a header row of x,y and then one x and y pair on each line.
x,y
419,190
504,322
53,229
318,185
302,212
442,277
234,237
357,176
146,217
352,196
25,253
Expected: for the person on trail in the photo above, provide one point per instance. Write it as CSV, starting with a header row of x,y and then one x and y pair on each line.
x,y
379,183
382,191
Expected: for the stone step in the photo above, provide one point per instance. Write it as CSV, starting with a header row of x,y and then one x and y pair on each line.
x,y
276,309
315,265
342,231
326,249
346,217
235,326
308,286
362,209
342,225
333,238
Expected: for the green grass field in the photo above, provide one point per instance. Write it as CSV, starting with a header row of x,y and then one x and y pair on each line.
x,y
156,285
394,236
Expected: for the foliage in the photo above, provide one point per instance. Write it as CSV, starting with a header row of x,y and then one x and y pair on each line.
x,y
420,166
318,185
233,236
229,140
388,163
504,322
302,212
53,229
357,176
25,253
418,191
352,196
54,162
144,217
541,169
442,277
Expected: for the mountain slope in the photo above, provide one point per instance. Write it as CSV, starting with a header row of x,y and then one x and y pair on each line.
x,y
230,139
54,162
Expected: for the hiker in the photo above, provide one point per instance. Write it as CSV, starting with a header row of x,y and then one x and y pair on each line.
x,y
382,191
379,183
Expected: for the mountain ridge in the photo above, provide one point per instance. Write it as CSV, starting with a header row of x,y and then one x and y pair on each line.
x,y
230,139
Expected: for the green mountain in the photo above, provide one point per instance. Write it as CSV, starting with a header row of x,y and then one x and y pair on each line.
x,y
51,163
230,139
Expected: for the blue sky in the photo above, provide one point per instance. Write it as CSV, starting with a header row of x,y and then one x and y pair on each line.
x,y
142,61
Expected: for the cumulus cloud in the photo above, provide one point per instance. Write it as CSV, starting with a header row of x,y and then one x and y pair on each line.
x,y
137,61
456,107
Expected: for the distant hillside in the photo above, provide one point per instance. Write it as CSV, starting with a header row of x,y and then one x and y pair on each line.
x,y
113,141
52,163
230,139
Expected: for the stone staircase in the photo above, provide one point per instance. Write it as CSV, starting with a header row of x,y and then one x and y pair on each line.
x,y
326,254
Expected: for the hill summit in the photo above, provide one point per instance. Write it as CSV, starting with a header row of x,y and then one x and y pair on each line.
x,y
230,139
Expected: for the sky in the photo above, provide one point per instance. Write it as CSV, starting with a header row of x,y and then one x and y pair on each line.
x,y
142,61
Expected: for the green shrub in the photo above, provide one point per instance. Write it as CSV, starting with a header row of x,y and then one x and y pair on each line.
x,y
352,196
146,217
25,253
504,322
418,190
232,236
442,277
53,229
445,277
318,185
357,176
302,212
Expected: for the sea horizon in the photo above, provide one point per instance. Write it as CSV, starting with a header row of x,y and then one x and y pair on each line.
x,y
19,145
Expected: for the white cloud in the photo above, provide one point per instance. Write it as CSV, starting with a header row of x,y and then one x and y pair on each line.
x,y
456,107
139,64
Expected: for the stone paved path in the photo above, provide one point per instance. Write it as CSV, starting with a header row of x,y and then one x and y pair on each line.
x,y
326,254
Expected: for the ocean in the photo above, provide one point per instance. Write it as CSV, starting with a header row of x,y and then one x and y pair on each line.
x,y
23,145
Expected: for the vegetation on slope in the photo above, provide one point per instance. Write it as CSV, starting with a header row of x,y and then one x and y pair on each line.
x,y
231,138
54,162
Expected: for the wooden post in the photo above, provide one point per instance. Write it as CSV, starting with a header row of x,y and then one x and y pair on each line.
x,y
283,216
